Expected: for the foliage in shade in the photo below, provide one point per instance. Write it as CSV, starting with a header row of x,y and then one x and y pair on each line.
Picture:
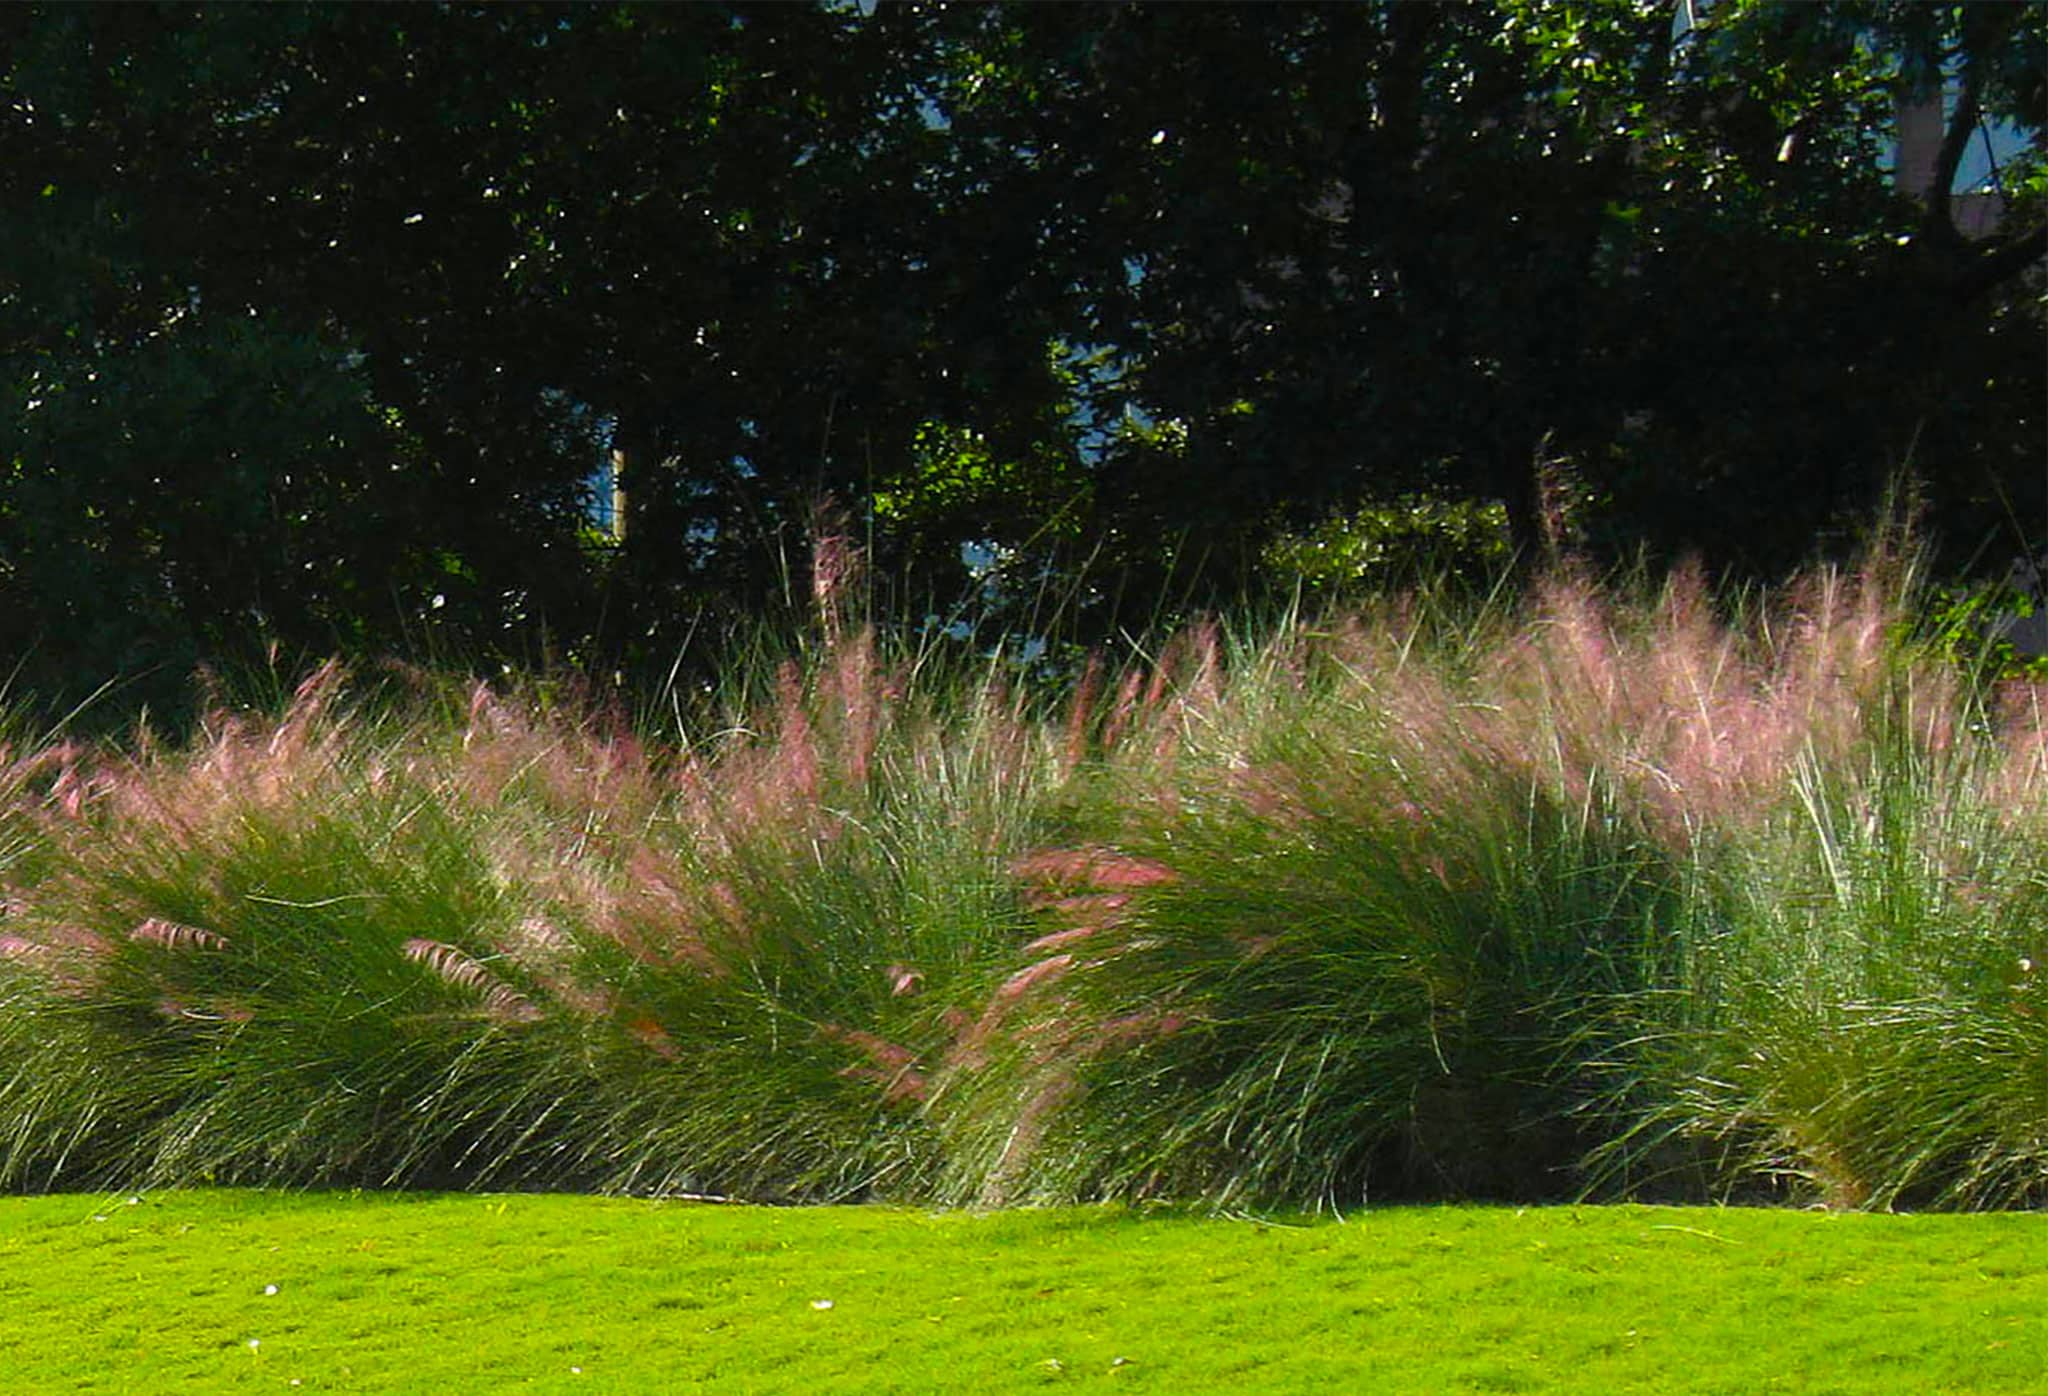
x,y
318,320
1624,891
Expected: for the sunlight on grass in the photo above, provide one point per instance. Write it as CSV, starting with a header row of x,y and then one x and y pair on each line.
x,y
383,1292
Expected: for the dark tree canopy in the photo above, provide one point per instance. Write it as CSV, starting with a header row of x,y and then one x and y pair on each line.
x,y
315,320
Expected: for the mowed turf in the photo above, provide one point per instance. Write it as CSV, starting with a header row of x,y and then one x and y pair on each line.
x,y
398,1292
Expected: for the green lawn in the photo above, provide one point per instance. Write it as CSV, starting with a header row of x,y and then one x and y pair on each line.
x,y
358,1292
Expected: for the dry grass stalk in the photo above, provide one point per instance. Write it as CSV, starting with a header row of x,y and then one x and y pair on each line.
x,y
449,963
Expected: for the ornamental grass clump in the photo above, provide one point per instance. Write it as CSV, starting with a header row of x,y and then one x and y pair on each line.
x,y
1605,896
469,938
269,958
1344,934
1875,1021
1615,892
788,949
